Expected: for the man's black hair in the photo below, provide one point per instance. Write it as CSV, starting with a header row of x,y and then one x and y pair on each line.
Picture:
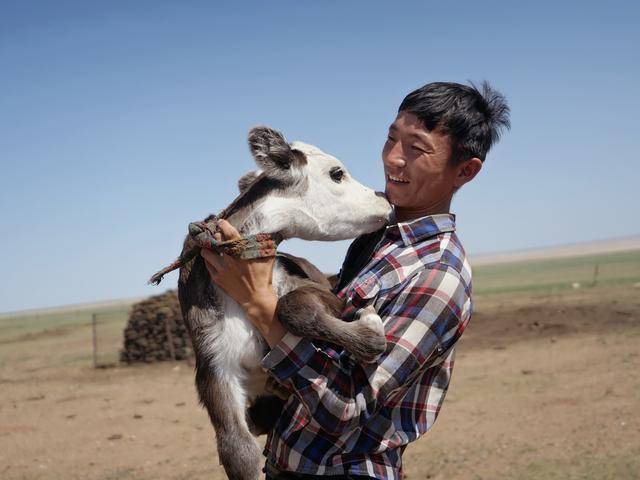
x,y
472,119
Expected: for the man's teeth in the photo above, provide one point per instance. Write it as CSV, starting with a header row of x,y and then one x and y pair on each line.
x,y
396,179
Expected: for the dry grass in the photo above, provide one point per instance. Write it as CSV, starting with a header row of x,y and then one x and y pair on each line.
x,y
546,386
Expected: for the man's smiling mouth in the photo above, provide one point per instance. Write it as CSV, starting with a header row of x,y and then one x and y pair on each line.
x,y
396,179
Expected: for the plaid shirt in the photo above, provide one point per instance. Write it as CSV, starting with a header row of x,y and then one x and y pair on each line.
x,y
350,418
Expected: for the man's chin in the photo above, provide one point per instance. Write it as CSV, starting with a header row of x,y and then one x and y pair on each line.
x,y
394,199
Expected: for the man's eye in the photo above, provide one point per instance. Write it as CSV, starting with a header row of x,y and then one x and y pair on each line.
x,y
390,139
418,149
336,174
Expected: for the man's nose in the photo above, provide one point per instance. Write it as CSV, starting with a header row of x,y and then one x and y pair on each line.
x,y
395,157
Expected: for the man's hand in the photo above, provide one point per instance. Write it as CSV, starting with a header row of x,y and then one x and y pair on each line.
x,y
248,282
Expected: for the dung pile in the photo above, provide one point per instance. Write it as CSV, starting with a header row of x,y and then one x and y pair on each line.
x,y
155,331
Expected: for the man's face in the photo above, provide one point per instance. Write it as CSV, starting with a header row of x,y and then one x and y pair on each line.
x,y
419,174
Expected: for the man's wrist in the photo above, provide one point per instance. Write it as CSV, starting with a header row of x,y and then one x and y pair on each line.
x,y
261,312
260,303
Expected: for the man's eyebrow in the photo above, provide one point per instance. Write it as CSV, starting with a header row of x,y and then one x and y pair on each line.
x,y
416,136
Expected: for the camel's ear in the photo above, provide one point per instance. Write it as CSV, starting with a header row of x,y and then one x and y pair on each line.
x,y
246,180
272,152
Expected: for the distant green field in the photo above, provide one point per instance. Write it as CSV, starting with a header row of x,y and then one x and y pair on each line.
x,y
545,276
64,337
23,324
541,276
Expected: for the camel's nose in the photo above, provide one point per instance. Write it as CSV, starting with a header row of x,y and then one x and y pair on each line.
x,y
381,194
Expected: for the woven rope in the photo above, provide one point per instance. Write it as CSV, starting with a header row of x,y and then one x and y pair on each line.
x,y
261,245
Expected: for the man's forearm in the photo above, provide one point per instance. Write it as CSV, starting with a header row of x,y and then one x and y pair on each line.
x,y
261,312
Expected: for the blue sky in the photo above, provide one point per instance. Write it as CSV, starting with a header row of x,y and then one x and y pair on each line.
x,y
122,121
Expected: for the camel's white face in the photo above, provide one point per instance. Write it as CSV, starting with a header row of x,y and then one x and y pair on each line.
x,y
311,194
334,206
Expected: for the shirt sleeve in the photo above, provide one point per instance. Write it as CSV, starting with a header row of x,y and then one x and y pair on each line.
x,y
421,322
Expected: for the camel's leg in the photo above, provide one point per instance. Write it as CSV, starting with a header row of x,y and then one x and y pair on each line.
x,y
219,387
225,401
313,312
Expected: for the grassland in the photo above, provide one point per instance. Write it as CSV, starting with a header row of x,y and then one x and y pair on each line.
x,y
550,276
546,386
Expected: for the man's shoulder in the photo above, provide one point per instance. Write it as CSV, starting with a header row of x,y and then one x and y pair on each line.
x,y
454,256
370,261
432,268
441,256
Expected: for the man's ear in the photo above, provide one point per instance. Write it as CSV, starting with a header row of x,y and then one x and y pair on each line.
x,y
272,153
467,171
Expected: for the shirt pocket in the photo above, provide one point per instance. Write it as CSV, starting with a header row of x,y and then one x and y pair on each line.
x,y
364,291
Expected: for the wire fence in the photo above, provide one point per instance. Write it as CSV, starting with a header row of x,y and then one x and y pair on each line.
x,y
107,337
76,336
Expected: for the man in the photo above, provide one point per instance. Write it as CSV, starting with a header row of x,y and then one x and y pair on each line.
x,y
351,420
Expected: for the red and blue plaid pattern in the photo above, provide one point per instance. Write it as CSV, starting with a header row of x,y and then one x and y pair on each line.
x,y
351,418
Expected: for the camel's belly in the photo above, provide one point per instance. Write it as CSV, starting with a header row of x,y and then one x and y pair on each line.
x,y
239,348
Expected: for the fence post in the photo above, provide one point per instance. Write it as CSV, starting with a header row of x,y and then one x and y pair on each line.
x,y
595,275
94,321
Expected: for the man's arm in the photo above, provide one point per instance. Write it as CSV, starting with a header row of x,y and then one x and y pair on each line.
x,y
421,322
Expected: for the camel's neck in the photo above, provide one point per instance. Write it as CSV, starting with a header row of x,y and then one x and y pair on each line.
x,y
253,210
254,219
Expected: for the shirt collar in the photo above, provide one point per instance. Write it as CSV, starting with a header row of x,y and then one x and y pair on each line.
x,y
413,231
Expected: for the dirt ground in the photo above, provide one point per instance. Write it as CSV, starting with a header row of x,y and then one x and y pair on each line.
x,y
544,387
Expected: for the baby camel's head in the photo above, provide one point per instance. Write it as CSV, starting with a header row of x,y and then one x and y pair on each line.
x,y
303,192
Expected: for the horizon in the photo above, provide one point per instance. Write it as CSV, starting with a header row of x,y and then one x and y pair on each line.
x,y
124,122
485,259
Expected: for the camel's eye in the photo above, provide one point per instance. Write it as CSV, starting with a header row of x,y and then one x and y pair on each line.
x,y
336,174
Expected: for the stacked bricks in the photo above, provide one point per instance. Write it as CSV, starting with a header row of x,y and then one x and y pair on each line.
x,y
155,331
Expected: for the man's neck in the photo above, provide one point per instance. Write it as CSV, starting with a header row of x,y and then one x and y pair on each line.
x,y
406,214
